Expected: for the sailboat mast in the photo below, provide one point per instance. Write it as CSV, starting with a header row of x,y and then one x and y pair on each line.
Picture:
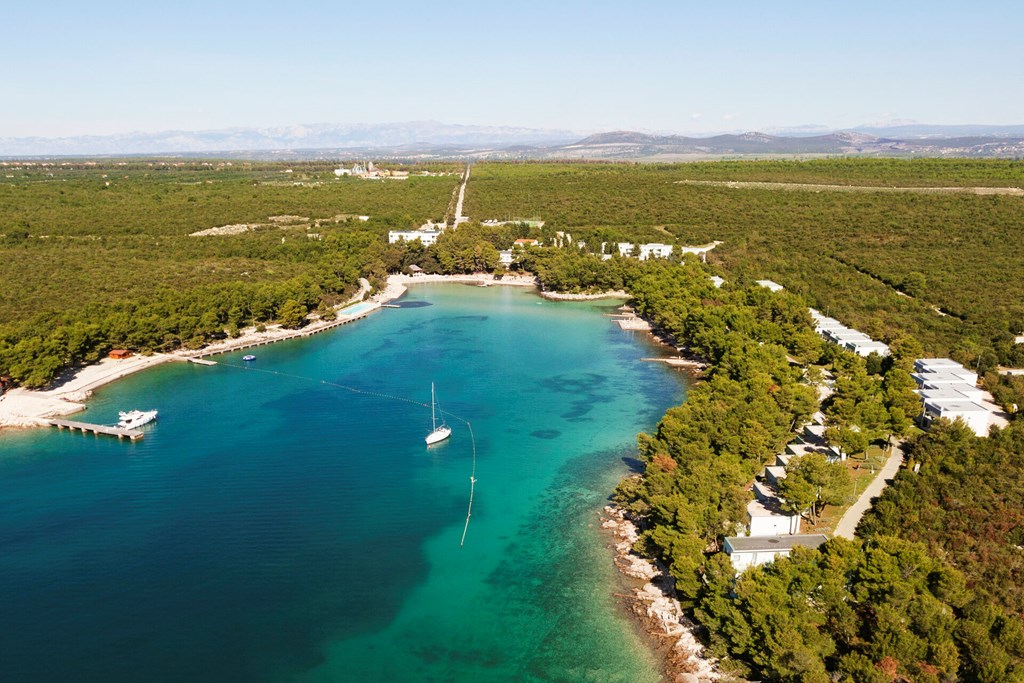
x,y
433,417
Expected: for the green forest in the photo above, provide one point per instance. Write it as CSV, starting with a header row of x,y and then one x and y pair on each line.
x,y
100,255
95,255
83,240
930,591
943,267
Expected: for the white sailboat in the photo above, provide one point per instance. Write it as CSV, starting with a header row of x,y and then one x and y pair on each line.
x,y
439,433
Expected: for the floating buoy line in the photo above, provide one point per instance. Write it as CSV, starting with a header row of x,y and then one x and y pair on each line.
x,y
472,439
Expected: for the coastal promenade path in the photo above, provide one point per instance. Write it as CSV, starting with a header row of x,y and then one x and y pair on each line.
x,y
848,524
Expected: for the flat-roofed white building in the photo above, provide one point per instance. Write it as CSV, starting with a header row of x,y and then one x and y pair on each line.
x,y
654,250
774,474
826,324
814,433
936,365
428,237
763,492
937,379
854,341
717,281
750,551
975,416
769,284
954,392
831,453
764,522
866,348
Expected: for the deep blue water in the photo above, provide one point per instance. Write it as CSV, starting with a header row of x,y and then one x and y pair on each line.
x,y
273,527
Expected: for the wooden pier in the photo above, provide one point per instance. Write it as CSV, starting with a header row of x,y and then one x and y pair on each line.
x,y
87,428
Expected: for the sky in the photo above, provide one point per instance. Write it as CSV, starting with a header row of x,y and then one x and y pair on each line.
x,y
104,67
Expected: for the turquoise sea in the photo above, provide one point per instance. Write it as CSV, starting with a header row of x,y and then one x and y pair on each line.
x,y
274,528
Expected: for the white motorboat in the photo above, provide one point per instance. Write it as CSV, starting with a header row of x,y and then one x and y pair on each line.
x,y
439,433
135,418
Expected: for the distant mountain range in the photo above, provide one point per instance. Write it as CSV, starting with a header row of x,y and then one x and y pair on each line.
x,y
304,137
422,140
630,145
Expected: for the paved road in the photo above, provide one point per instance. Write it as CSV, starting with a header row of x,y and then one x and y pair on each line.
x,y
462,195
848,524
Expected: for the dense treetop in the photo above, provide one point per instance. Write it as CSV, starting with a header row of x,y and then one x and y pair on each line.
x,y
100,255
883,262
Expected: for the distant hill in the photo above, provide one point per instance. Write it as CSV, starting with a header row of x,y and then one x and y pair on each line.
x,y
626,144
428,140
920,130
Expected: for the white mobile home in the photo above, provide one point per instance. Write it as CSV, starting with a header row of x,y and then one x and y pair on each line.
x,y
750,551
866,348
769,284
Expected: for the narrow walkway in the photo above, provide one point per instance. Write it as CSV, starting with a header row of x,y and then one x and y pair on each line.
x,y
848,524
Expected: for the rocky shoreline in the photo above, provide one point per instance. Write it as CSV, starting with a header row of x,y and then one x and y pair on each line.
x,y
656,608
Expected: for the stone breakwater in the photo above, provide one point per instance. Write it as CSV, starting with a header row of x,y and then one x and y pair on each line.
x,y
655,605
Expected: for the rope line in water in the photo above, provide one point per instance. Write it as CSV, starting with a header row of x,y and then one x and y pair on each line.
x,y
472,485
377,394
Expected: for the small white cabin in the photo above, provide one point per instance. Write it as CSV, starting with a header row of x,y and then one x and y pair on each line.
x,y
750,551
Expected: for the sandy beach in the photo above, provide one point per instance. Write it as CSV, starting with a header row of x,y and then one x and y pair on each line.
x,y
29,408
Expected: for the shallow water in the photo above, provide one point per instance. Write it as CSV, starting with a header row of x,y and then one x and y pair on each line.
x,y
272,527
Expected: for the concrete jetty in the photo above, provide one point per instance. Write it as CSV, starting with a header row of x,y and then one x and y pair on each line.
x,y
87,428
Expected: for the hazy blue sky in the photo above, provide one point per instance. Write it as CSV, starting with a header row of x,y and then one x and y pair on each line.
x,y
102,67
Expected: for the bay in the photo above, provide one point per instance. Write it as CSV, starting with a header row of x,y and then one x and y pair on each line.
x,y
276,526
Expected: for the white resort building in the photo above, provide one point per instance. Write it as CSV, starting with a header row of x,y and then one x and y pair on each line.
x,y
950,391
750,551
428,237
847,337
